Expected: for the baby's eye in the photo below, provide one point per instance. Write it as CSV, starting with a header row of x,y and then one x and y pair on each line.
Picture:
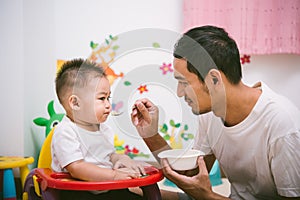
x,y
104,98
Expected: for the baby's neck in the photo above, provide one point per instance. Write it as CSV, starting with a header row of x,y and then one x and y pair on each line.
x,y
88,127
85,125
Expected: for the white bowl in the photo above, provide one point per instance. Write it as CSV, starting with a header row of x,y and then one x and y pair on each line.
x,y
181,159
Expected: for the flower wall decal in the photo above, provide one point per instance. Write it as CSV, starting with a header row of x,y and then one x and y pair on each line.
x,y
166,68
245,59
142,89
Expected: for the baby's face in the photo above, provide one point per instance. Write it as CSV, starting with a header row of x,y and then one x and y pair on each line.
x,y
95,105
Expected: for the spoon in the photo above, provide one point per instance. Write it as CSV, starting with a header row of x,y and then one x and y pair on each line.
x,y
114,113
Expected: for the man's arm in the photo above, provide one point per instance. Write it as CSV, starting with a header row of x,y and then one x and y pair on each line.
x,y
209,161
156,144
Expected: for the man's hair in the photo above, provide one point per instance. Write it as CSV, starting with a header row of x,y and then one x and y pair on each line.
x,y
75,74
209,47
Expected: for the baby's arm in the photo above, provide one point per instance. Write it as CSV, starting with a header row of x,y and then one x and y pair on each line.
x,y
124,161
90,172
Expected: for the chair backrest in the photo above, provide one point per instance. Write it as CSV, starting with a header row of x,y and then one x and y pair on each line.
x,y
45,158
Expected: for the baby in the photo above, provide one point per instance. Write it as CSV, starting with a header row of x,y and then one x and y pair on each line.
x,y
82,144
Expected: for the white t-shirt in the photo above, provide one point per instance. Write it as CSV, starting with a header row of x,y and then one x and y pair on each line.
x,y
261,155
71,143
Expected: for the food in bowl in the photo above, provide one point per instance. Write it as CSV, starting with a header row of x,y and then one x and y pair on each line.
x,y
181,159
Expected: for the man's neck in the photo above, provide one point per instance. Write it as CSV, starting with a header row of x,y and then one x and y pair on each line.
x,y
241,100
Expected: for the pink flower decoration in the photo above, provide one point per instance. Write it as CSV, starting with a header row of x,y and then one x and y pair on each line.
x,y
166,68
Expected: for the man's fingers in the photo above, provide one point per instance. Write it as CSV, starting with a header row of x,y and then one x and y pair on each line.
x,y
147,103
202,166
143,111
169,173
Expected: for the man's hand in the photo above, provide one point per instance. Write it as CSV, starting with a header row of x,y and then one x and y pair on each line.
x,y
197,186
144,116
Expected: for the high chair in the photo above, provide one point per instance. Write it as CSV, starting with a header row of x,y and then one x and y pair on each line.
x,y
43,183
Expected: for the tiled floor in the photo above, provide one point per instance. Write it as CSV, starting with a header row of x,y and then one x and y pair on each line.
x,y
223,189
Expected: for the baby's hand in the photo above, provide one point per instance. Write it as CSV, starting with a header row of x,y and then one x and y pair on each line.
x,y
130,166
125,173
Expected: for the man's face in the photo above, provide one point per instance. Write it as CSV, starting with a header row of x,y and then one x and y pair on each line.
x,y
195,92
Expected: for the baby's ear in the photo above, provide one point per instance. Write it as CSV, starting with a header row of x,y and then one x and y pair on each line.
x,y
74,102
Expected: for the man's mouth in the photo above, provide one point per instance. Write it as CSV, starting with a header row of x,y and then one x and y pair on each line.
x,y
188,101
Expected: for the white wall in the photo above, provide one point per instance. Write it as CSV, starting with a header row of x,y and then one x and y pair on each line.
x,y
12,78
280,72
39,68
78,23
36,33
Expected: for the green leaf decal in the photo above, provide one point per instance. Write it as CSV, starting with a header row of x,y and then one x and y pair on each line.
x,y
190,136
119,148
113,38
177,125
93,45
172,123
127,83
155,45
115,47
186,127
164,128
167,137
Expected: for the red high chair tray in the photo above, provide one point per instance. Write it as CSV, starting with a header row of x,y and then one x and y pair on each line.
x,y
64,181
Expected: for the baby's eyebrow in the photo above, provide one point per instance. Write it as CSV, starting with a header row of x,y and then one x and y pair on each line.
x,y
105,93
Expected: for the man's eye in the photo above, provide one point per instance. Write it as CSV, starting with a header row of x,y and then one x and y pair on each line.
x,y
184,83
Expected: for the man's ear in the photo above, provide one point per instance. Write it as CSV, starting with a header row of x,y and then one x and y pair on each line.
x,y
74,102
214,76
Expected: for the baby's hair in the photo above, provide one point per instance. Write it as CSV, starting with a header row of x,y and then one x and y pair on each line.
x,y
74,74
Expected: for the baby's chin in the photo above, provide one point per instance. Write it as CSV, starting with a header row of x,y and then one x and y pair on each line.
x,y
103,118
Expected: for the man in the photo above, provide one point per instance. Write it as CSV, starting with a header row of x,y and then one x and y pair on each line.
x,y
252,131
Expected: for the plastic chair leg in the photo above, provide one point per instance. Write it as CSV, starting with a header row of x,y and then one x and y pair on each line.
x,y
9,186
24,171
151,192
1,184
29,190
50,194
